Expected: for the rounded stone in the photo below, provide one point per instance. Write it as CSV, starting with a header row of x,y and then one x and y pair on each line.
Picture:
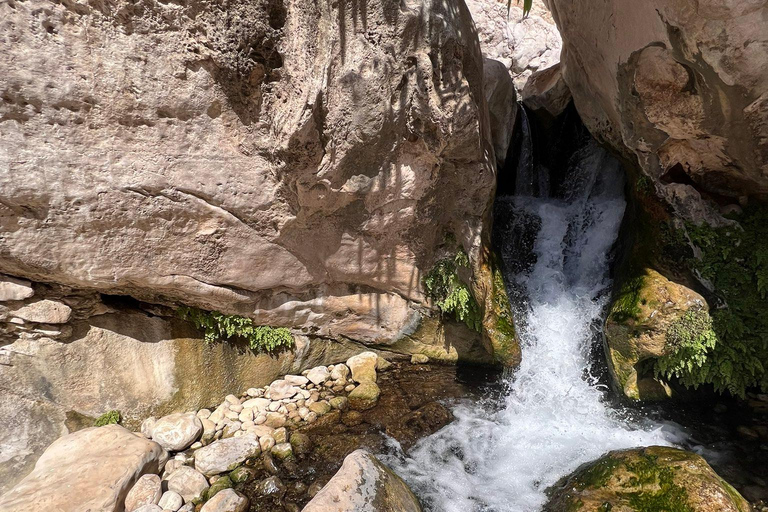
x,y
188,482
363,367
171,500
177,432
146,491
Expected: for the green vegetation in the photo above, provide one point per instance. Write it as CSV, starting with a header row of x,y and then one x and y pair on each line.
x,y
735,261
626,305
692,338
218,326
450,294
108,418
666,495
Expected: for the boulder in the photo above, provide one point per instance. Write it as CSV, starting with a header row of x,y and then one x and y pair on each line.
x,y
177,432
226,454
92,469
363,367
646,84
502,106
15,289
651,318
364,396
318,375
146,491
45,312
654,478
227,500
546,90
188,482
364,484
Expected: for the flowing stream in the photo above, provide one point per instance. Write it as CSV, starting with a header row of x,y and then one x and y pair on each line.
x,y
555,415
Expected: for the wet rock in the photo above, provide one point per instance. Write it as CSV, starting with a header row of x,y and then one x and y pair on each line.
x,y
226,454
219,485
363,479
226,501
92,469
275,420
666,478
363,367
320,408
352,418
176,432
282,451
188,482
301,443
419,359
146,491
171,500
364,396
271,486
242,474
339,402
269,464
45,312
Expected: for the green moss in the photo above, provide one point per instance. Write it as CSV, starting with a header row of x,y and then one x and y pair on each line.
x,y
108,418
626,307
692,339
734,259
598,474
218,326
450,294
662,493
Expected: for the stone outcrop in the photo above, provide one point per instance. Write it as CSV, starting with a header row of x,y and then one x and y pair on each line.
x,y
654,478
302,172
651,318
546,90
89,470
680,86
523,44
363,484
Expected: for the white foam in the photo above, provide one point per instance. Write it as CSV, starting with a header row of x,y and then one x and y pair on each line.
x,y
554,417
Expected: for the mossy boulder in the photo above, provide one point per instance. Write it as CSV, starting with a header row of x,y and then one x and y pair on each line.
x,y
653,320
652,479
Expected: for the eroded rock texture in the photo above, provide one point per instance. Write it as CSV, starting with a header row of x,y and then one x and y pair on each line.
x,y
296,163
679,85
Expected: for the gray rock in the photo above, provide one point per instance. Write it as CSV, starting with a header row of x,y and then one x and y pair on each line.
x,y
15,289
45,312
188,482
92,469
176,432
226,454
227,500
146,491
363,480
171,500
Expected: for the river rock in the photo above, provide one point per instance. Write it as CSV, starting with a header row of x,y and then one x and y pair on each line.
x,y
176,432
146,491
296,380
318,375
226,454
666,477
171,500
147,426
45,312
419,359
647,321
361,482
15,289
363,367
281,389
339,372
188,482
364,396
151,507
227,500
92,469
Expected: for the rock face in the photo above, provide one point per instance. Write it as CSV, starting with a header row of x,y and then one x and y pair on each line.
x,y
680,86
92,469
502,107
363,484
655,478
652,318
303,172
523,45
546,90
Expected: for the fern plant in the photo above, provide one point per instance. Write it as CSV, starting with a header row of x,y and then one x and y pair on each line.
x,y
450,294
218,326
692,339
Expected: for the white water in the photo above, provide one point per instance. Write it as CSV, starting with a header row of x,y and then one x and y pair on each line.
x,y
554,417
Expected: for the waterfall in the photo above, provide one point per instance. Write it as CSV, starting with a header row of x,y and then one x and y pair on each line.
x,y
554,416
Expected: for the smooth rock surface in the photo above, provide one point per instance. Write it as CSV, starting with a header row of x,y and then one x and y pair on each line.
x,y
92,469
363,367
363,484
188,482
15,289
227,500
44,311
546,90
225,454
146,491
176,432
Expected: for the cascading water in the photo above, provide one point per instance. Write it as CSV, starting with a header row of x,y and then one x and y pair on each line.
x,y
554,416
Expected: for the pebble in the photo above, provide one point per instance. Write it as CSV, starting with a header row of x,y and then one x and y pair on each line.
x,y
275,420
271,486
188,482
319,375
266,443
146,491
296,380
282,451
254,392
280,435
171,501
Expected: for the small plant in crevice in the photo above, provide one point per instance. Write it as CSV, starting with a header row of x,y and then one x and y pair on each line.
x,y
693,339
108,418
450,294
218,326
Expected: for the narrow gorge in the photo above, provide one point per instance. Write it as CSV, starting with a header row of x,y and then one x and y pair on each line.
x,y
396,256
